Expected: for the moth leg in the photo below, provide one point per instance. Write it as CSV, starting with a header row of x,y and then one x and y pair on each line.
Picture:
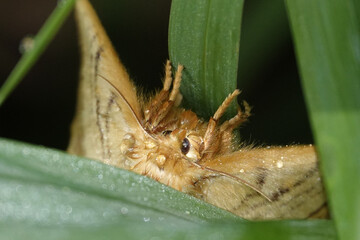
x,y
211,134
227,128
221,110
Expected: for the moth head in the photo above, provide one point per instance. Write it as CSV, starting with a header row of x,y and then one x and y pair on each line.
x,y
188,134
187,142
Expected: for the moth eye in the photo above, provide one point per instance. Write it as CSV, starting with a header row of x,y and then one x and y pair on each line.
x,y
185,146
166,132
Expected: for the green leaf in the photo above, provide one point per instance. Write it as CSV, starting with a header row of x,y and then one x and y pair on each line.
x,y
300,230
204,36
327,39
50,193
40,42
40,165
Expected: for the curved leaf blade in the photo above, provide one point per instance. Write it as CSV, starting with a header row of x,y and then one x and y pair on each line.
x,y
300,230
204,36
48,192
38,166
327,39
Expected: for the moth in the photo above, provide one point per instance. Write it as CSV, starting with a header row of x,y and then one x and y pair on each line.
x,y
159,139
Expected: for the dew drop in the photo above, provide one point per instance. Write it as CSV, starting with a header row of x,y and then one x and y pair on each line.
x,y
161,159
44,213
150,144
56,157
26,44
279,164
124,210
18,188
127,143
146,219
80,164
68,209
26,151
135,155
241,170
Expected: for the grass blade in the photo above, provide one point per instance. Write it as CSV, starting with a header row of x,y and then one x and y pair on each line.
x,y
327,39
299,230
40,42
204,36
43,165
49,193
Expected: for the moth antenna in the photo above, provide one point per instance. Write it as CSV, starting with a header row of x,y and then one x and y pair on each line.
x,y
128,104
176,85
168,77
168,81
234,178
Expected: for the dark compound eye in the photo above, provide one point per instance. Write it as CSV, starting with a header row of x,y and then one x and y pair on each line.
x,y
185,146
166,132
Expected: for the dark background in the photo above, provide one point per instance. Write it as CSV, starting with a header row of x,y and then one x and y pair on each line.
x,y
40,110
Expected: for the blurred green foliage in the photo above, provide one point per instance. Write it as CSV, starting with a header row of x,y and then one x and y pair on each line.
x,y
327,37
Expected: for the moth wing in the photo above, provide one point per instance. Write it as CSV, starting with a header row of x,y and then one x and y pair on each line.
x,y
108,107
288,176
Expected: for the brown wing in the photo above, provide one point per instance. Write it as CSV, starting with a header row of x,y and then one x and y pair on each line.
x,y
288,176
107,103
